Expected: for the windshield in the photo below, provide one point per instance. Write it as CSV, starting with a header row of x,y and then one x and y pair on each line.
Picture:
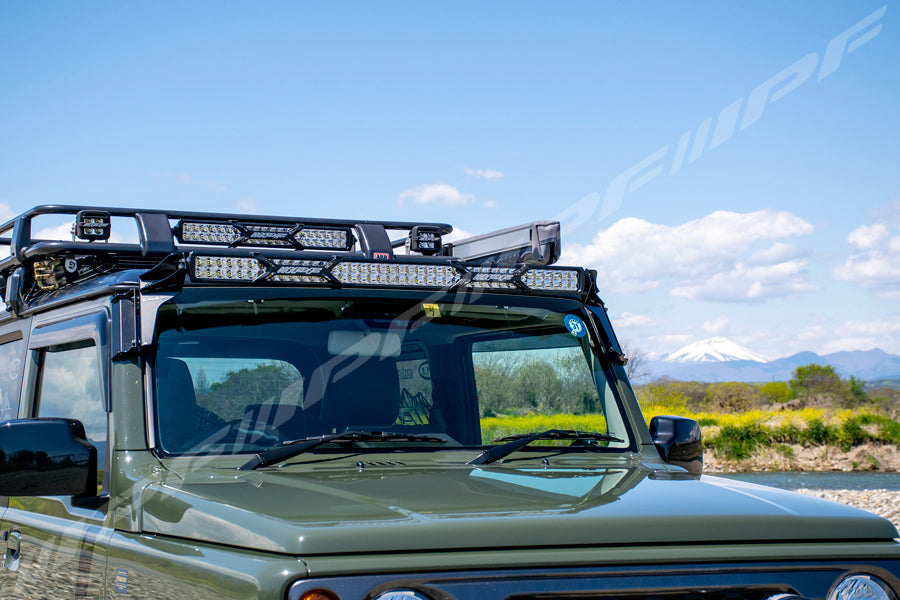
x,y
245,375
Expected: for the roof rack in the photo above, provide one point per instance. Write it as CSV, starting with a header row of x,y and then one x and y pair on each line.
x,y
240,248
157,237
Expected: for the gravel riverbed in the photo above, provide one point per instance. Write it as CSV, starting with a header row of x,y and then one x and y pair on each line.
x,y
885,503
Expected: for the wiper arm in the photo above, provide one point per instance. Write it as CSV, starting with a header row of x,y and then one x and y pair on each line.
x,y
517,442
297,447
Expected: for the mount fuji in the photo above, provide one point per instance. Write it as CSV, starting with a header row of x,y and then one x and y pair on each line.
x,y
720,359
716,349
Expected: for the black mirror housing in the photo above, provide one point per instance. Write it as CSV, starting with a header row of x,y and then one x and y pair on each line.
x,y
46,457
678,441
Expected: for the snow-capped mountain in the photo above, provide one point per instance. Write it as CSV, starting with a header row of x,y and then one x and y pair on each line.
x,y
720,359
713,350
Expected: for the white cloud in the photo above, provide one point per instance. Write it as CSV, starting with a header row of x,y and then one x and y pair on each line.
x,y
183,178
875,261
6,213
867,237
777,252
888,326
745,283
718,326
436,193
456,234
656,346
713,258
490,174
247,205
630,320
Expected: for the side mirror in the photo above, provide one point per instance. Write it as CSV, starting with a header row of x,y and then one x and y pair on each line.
x,y
678,441
46,457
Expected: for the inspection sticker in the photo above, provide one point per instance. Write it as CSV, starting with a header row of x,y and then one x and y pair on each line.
x,y
575,325
432,310
121,581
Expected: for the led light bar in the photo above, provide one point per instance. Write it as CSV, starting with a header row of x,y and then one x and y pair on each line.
x,y
563,280
396,274
272,236
227,268
375,274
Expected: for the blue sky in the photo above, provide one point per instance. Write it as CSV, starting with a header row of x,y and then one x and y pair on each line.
x,y
767,209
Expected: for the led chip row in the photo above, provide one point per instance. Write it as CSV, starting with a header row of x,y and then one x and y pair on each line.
x,y
217,233
322,238
564,280
396,274
227,268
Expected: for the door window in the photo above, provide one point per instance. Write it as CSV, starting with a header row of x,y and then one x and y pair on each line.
x,y
10,378
69,385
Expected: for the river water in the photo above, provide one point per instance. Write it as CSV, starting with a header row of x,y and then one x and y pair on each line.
x,y
821,480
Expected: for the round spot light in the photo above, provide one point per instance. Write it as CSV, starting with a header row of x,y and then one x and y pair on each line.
x,y
861,587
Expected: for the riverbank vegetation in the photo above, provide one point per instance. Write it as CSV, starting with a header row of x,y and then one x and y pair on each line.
x,y
780,420
815,420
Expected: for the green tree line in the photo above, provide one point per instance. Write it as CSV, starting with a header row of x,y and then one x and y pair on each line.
x,y
810,385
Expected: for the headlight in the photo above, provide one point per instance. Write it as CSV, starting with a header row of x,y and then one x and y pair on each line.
x,y
861,587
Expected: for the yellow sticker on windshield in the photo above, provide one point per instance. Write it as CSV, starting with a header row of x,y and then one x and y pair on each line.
x,y
432,310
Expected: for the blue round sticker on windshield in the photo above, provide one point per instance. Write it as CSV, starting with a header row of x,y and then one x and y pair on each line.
x,y
575,325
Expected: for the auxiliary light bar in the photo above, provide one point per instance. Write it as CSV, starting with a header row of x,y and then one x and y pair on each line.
x,y
355,273
275,236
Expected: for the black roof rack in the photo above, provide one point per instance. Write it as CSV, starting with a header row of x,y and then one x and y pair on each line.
x,y
217,248
157,238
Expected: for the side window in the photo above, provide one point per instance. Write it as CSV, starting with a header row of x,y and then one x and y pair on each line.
x,y
11,355
69,385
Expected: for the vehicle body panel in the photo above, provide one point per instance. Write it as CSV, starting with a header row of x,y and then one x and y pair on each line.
x,y
306,511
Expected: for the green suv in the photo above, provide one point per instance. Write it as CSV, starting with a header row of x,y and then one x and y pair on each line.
x,y
215,406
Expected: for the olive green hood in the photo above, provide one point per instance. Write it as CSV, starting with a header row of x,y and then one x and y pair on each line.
x,y
389,507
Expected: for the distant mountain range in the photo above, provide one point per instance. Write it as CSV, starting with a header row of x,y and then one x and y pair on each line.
x,y
720,359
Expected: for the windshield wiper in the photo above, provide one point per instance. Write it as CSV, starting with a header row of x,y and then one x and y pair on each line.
x,y
517,442
297,447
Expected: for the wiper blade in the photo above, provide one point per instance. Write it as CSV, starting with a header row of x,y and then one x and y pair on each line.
x,y
517,442
297,447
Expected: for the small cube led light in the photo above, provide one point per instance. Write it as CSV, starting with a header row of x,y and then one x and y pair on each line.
x,y
425,240
92,225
